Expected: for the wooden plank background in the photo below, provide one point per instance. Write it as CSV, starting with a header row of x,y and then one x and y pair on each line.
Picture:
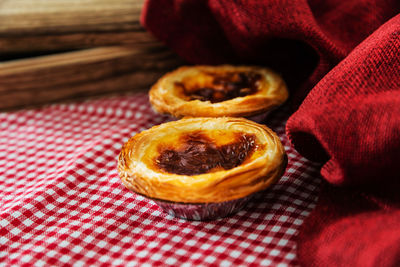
x,y
104,50
41,25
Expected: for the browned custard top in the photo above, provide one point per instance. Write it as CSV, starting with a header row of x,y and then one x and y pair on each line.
x,y
199,154
224,86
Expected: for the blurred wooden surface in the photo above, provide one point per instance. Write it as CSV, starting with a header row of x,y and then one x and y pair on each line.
x,y
23,44
42,25
56,50
80,74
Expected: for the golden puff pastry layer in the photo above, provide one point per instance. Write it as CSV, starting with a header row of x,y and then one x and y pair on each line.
x,y
202,160
217,91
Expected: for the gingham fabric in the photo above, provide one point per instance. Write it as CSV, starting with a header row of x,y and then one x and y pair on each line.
x,y
62,202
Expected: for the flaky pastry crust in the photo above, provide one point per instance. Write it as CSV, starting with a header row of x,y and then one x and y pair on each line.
x,y
166,95
139,172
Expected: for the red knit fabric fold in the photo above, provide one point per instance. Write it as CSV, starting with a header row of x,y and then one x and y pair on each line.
x,y
343,57
353,114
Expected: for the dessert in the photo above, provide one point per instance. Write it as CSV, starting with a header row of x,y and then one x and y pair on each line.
x,y
215,91
202,168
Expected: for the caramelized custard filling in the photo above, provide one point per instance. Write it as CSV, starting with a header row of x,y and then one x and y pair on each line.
x,y
223,86
200,155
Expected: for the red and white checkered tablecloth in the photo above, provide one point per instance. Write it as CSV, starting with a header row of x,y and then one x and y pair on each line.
x,y
62,203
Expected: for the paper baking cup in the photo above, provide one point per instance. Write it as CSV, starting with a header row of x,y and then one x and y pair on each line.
x,y
202,211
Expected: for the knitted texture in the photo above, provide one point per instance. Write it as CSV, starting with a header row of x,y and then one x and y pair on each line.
x,y
353,115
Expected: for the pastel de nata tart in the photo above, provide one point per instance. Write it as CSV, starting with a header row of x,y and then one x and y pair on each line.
x,y
216,91
202,168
